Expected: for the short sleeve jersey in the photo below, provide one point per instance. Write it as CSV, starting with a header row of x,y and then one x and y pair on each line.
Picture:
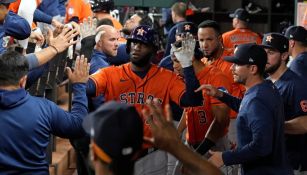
x,y
121,84
199,119
239,36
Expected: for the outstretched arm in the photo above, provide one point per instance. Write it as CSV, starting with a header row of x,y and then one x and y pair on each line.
x,y
297,125
56,45
231,101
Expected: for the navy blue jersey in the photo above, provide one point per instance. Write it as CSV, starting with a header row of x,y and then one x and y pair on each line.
x,y
167,63
260,132
299,65
293,91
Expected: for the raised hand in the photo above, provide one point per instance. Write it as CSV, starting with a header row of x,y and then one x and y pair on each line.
x,y
63,40
88,27
185,53
81,71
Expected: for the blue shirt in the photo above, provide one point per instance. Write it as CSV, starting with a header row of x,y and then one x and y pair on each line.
x,y
299,65
99,60
14,26
293,91
50,7
27,123
260,132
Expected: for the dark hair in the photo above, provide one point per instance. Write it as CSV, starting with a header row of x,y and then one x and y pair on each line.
x,y
180,8
105,21
13,66
211,24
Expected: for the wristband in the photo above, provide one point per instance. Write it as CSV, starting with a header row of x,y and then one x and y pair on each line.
x,y
204,147
57,51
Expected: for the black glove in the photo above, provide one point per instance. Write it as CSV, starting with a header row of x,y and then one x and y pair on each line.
x,y
204,147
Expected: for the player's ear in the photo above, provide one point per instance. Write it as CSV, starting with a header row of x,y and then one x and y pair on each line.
x,y
285,56
220,38
23,81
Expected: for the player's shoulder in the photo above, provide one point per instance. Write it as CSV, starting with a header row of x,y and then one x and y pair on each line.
x,y
218,75
289,78
163,72
228,33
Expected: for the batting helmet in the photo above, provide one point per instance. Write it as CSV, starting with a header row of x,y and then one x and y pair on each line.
x,y
143,34
102,5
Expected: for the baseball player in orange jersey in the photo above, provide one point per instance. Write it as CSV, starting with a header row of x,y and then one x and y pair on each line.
x,y
199,119
212,114
241,34
139,80
210,41
209,37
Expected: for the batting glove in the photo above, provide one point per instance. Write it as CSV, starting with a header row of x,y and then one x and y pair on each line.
x,y
88,27
185,53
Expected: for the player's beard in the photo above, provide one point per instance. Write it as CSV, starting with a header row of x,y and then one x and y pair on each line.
x,y
211,55
145,60
271,70
240,80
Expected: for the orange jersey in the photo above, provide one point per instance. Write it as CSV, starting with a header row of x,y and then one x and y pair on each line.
x,y
120,83
78,8
239,36
237,89
199,119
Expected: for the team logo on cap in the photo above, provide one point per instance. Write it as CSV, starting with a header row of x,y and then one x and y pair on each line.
x,y
269,38
187,27
141,31
251,60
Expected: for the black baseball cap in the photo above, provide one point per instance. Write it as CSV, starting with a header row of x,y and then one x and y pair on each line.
x,y
275,41
249,54
116,130
241,14
6,1
297,33
186,27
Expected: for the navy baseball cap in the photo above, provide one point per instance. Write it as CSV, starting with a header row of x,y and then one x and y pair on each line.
x,y
186,27
240,14
275,41
6,1
144,34
297,33
116,130
249,54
